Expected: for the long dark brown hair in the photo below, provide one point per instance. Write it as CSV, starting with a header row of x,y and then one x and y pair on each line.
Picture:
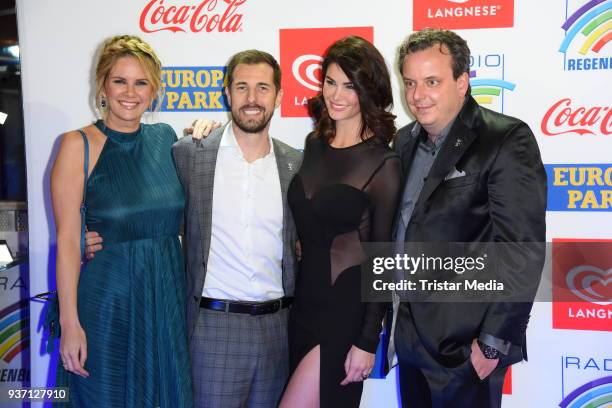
x,y
365,67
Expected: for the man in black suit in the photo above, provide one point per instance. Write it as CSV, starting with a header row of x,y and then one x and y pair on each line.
x,y
470,175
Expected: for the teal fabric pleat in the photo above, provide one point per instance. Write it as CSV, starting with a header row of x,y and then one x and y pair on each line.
x,y
131,296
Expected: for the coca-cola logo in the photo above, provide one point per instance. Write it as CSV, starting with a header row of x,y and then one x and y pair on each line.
x,y
307,71
564,118
206,16
591,283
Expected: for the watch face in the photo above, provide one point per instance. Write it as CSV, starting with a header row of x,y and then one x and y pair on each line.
x,y
488,351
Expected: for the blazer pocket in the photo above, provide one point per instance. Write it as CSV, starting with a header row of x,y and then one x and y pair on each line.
x,y
461,181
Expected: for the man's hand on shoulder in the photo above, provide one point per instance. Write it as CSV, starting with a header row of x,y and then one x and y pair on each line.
x,y
201,128
93,244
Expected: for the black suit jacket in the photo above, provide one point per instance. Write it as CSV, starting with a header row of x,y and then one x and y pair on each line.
x,y
501,198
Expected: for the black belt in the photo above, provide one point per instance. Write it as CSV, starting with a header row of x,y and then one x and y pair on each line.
x,y
251,308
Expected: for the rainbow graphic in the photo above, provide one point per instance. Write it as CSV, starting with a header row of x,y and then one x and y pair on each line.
x,y
594,22
14,330
594,394
485,89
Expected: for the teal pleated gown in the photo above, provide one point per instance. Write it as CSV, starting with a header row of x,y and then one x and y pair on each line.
x,y
131,296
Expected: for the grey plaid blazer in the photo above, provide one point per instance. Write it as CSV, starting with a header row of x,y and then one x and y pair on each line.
x,y
195,162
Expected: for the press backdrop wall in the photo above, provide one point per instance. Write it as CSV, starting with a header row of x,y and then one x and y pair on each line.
x,y
546,62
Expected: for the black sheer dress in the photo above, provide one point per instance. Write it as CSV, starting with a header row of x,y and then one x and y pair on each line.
x,y
340,198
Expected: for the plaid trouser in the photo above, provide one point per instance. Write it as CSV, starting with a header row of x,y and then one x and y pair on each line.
x,y
239,360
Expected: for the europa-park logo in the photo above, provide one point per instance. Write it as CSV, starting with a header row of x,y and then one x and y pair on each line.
x,y
206,15
566,116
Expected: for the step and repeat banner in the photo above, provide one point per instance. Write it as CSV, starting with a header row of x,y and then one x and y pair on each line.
x,y
546,62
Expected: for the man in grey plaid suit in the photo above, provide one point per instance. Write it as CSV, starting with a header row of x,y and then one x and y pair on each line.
x,y
240,239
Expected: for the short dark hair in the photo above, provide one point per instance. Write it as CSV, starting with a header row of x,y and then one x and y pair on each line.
x,y
252,57
365,67
429,37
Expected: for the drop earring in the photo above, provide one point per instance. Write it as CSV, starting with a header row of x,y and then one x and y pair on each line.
x,y
103,102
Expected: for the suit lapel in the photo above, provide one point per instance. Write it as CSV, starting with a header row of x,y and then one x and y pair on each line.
x,y
205,163
406,153
286,170
409,148
456,144
458,141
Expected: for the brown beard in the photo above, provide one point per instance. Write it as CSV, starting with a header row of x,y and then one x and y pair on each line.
x,y
252,127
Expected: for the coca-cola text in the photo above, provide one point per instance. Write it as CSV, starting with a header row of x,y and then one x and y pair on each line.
x,y
563,118
157,16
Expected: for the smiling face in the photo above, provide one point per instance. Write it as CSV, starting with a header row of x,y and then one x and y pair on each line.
x,y
433,95
341,99
128,92
253,96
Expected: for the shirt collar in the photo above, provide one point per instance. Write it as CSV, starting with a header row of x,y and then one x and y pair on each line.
x,y
442,137
228,140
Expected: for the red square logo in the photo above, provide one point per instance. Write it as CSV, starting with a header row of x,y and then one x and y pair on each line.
x,y
582,284
459,14
301,51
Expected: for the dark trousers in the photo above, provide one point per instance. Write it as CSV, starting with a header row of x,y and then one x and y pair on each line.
x,y
440,387
426,383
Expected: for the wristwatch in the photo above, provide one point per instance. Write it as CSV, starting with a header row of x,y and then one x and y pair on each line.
x,y
489,352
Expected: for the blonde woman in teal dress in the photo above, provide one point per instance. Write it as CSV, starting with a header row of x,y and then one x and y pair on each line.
x,y
123,336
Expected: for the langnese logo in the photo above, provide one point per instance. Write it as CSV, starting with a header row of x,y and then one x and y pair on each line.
x,y
301,54
586,381
579,187
194,89
566,117
582,284
460,14
487,80
189,16
588,29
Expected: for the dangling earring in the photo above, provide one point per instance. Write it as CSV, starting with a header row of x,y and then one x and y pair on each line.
x,y
103,102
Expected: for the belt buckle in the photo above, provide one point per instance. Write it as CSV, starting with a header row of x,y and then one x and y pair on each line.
x,y
266,308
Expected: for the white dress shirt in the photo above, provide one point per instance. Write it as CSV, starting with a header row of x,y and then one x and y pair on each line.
x,y
246,244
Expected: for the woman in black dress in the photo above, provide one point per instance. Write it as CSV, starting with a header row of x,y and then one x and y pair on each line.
x,y
345,193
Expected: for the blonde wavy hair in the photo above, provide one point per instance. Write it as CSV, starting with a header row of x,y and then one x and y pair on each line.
x,y
128,46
